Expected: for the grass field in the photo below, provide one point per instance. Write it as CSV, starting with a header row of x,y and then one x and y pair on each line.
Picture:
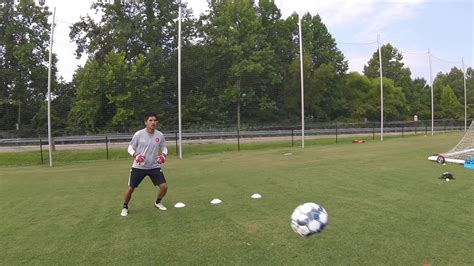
x,y
385,201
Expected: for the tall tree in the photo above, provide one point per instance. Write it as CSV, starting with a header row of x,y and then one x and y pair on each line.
x,y
326,68
394,69
319,91
278,35
200,106
394,108
113,95
136,27
24,42
449,106
392,66
357,88
62,100
455,80
320,44
421,103
144,29
470,92
244,62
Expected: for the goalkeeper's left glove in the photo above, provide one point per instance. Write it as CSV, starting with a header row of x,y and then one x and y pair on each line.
x,y
162,158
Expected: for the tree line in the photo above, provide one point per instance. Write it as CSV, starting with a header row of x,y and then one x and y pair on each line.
x,y
239,56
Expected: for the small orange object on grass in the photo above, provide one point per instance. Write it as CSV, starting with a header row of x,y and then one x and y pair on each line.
x,y
358,141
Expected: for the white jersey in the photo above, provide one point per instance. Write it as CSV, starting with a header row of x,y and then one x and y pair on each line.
x,y
148,145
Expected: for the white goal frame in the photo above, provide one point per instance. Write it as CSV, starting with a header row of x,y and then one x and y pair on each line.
x,y
458,154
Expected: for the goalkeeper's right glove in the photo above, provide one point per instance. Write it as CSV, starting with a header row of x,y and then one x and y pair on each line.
x,y
139,158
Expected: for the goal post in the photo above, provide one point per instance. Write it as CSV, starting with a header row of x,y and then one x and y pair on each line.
x,y
463,151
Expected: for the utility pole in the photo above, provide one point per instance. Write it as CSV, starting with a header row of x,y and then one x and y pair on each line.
x,y
180,142
381,88
50,142
465,94
302,83
432,94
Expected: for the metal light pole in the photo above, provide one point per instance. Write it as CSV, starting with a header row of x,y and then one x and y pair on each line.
x,y
381,88
180,142
432,94
302,82
465,94
50,146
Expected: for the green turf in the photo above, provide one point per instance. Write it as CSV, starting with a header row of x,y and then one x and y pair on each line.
x,y
385,202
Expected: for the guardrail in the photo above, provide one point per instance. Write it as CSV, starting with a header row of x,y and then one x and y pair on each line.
x,y
111,138
96,141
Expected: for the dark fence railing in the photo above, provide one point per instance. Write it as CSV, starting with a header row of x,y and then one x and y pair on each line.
x,y
322,130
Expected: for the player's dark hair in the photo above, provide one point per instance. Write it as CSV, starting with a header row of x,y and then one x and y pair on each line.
x,y
148,115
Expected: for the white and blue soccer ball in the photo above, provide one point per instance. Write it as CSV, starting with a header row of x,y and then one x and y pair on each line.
x,y
309,219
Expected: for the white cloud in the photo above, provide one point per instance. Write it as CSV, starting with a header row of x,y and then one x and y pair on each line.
x,y
387,14
198,6
356,64
334,12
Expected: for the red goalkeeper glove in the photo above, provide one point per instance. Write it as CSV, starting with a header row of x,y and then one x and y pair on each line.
x,y
139,158
161,159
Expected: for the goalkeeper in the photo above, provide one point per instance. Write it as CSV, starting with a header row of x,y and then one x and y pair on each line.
x,y
144,147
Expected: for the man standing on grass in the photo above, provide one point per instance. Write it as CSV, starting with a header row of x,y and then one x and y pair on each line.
x,y
144,147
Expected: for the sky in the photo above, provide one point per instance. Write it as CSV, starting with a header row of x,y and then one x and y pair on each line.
x,y
442,27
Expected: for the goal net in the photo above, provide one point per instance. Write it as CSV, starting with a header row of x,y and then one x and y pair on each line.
x,y
463,151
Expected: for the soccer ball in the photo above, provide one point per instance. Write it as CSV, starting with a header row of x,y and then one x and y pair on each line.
x,y
308,219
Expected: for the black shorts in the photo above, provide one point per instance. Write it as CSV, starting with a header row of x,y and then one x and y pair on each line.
x,y
136,176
